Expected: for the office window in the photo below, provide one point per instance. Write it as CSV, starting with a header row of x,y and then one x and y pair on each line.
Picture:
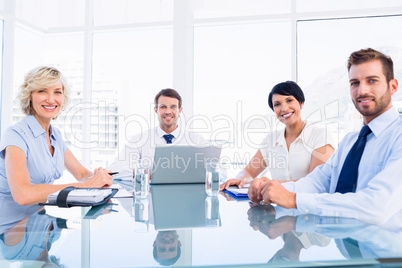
x,y
120,12
329,5
47,14
323,48
235,67
208,9
129,68
26,57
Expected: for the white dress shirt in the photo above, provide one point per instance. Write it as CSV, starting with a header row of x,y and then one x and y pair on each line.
x,y
141,147
294,164
379,186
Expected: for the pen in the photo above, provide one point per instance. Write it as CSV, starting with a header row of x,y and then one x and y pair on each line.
x,y
113,173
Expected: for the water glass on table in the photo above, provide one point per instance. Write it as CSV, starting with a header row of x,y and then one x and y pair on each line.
x,y
141,179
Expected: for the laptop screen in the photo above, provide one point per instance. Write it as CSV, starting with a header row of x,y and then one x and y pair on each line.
x,y
182,163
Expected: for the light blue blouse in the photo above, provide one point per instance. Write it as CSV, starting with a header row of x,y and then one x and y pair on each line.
x,y
30,137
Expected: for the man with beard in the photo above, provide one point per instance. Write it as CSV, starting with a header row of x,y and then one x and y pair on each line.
x,y
362,179
141,147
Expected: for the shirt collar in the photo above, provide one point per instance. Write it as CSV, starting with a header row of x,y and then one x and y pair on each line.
x,y
34,125
36,128
381,122
280,138
161,132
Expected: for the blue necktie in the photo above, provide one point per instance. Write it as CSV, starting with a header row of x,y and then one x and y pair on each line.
x,y
348,178
168,138
352,247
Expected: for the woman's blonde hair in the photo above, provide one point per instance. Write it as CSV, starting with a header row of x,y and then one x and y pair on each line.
x,y
39,78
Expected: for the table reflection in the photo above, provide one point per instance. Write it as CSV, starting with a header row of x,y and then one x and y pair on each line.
x,y
354,239
31,239
263,218
179,225
183,206
167,247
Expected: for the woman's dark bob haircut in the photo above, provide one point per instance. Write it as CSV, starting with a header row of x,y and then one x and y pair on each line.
x,y
288,88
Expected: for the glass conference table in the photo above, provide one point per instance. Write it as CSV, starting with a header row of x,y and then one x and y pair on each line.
x,y
179,225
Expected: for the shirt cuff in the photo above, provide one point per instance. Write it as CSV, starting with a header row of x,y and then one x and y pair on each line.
x,y
306,203
290,186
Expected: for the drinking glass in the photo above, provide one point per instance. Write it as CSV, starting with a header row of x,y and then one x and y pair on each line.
x,y
141,178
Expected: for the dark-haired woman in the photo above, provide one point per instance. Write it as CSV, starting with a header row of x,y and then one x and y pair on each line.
x,y
293,152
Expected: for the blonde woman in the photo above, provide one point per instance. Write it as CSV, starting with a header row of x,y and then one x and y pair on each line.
x,y
32,152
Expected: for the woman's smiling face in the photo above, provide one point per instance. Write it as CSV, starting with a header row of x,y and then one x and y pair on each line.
x,y
47,102
287,109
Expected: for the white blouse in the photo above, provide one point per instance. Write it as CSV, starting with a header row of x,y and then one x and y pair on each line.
x,y
294,164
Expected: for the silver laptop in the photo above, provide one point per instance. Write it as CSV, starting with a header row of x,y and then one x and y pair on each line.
x,y
182,163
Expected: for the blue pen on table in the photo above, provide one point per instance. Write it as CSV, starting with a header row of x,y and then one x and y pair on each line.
x,y
113,173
